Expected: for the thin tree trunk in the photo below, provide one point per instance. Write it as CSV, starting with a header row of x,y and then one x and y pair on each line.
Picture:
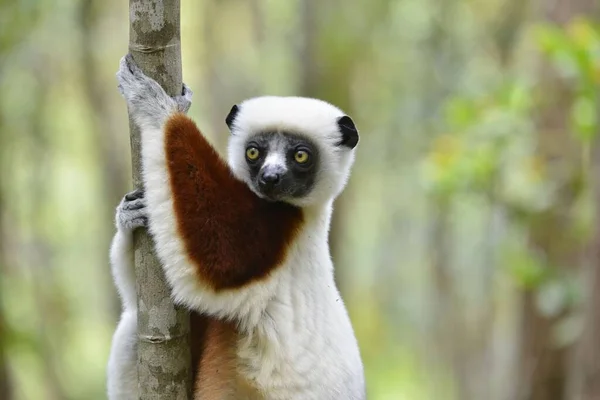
x,y
113,164
164,360
482,369
309,76
328,78
212,59
450,335
5,392
543,363
588,359
586,374
5,387
39,261
544,369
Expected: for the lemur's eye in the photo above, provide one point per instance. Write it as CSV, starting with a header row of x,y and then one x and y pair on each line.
x,y
252,153
301,156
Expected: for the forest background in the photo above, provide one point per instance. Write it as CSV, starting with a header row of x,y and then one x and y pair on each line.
x,y
467,244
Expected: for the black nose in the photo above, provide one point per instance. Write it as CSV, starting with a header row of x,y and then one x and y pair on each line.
x,y
268,179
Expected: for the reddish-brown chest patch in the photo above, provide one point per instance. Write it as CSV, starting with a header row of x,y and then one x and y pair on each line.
x,y
231,235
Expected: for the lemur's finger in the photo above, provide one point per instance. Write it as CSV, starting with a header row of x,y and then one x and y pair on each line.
x,y
186,91
136,194
131,65
123,67
123,75
134,204
184,101
138,222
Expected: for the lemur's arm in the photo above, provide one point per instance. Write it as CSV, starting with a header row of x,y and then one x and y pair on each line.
x,y
129,216
122,372
214,236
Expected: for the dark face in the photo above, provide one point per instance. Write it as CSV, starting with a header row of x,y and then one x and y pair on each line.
x,y
281,165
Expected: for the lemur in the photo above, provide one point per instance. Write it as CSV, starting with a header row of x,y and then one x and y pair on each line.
x,y
244,243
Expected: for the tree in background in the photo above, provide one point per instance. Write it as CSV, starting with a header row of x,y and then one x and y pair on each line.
x,y
545,357
464,278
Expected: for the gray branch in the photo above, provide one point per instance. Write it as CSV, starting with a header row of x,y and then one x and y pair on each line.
x,y
164,365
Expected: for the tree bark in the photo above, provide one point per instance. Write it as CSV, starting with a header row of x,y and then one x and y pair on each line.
x,y
164,361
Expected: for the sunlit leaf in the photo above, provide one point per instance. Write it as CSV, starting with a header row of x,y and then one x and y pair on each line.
x,y
526,269
519,97
460,113
550,38
584,117
581,32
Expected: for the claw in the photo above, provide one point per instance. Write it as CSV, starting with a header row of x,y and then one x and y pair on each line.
x,y
127,66
184,101
134,204
131,212
186,91
130,64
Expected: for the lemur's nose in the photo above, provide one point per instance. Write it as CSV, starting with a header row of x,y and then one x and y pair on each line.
x,y
269,178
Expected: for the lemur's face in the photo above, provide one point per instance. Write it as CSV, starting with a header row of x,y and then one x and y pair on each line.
x,y
291,149
281,165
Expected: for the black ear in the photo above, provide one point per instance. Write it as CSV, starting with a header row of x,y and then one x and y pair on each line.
x,y
349,132
231,116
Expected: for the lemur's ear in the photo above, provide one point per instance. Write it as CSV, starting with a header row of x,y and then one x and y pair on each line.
x,y
349,132
231,116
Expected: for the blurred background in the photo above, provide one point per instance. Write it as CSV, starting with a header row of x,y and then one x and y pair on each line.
x,y
467,245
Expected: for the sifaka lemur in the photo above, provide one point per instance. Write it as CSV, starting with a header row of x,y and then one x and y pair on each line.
x,y
244,242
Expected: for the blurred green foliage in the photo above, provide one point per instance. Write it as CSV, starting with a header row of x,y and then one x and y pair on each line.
x,y
474,185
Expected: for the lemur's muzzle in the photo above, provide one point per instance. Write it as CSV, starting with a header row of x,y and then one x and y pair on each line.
x,y
270,180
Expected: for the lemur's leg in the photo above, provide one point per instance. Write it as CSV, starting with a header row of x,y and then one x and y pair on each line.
x,y
122,372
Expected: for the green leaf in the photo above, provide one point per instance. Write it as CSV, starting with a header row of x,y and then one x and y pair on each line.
x,y
584,118
460,113
526,269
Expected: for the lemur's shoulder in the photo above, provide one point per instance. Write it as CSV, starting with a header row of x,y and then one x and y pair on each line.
x,y
232,236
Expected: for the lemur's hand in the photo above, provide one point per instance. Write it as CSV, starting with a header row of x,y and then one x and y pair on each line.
x,y
146,99
185,100
131,212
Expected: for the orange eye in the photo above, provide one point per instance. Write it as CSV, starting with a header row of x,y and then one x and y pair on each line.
x,y
252,153
301,156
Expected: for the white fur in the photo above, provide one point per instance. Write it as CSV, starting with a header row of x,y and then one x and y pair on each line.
x,y
304,347
122,370
275,160
297,339
312,118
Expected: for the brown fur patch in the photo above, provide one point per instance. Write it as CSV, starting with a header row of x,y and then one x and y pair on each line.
x,y
199,324
217,375
232,235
